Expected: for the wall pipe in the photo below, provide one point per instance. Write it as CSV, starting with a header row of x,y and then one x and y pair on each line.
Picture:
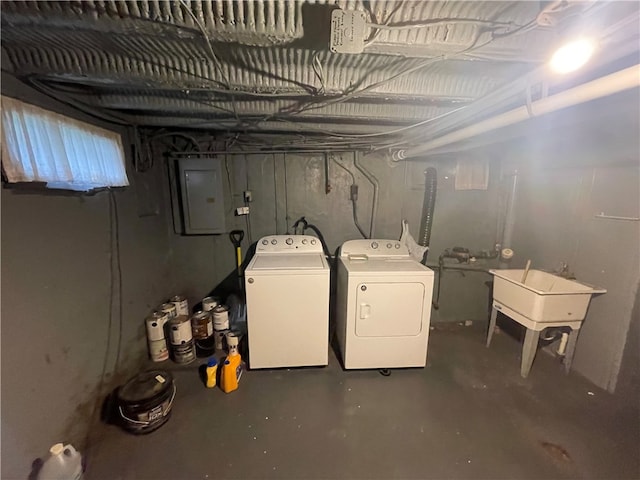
x,y
608,85
509,218
376,187
262,152
354,199
460,268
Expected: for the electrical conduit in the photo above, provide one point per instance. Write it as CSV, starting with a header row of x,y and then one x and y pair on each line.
x,y
376,187
353,195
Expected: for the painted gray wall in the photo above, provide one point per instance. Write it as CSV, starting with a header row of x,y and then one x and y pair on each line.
x,y
567,177
287,186
56,283
628,384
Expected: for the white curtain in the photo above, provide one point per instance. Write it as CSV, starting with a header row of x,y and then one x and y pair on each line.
x,y
42,146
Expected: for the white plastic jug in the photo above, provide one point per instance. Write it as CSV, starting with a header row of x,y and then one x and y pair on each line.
x,y
64,463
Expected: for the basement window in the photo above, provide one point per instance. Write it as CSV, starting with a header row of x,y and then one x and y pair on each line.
x,y
42,146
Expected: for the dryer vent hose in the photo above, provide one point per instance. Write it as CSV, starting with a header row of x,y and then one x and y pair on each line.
x,y
430,187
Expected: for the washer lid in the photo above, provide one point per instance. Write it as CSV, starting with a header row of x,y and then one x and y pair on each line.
x,y
289,261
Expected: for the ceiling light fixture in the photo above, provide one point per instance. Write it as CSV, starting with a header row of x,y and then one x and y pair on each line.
x,y
572,55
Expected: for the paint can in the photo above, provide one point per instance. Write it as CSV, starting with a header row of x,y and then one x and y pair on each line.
x,y
205,347
184,353
169,309
221,317
181,304
201,325
155,326
209,303
145,401
180,330
221,339
158,350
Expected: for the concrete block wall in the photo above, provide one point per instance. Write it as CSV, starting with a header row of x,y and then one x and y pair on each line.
x,y
587,167
287,186
61,322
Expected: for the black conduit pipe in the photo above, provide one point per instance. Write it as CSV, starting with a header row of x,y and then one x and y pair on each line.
x,y
430,187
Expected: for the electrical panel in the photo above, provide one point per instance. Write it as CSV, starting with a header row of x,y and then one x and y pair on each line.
x,y
201,196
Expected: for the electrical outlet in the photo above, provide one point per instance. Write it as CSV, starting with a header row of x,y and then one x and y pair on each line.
x,y
242,211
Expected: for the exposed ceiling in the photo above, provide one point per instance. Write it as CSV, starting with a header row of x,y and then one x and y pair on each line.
x,y
263,66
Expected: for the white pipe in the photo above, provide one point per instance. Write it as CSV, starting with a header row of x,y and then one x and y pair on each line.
x,y
602,87
510,218
563,344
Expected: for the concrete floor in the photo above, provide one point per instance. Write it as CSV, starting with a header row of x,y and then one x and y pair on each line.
x,y
467,415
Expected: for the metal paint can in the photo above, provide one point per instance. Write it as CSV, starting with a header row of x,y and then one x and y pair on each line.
x,y
205,347
209,303
158,350
221,339
201,325
180,330
184,353
169,309
221,318
181,303
155,326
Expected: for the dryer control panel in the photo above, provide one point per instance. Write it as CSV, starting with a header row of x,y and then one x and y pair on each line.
x,y
374,248
289,243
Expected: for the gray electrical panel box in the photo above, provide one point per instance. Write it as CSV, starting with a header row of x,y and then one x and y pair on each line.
x,y
201,195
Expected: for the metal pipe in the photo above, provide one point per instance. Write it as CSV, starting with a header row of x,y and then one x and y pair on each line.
x,y
256,152
441,267
461,268
601,87
509,218
353,199
376,187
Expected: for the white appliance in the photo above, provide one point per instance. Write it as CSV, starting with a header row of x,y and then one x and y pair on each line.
x,y
383,305
287,287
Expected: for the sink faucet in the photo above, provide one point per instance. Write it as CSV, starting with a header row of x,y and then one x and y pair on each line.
x,y
563,271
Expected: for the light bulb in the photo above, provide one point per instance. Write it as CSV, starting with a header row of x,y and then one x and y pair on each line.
x,y
573,55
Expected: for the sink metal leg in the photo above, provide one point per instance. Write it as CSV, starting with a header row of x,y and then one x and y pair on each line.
x,y
492,325
529,351
571,348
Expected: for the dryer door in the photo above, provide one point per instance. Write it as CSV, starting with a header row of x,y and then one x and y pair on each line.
x,y
389,309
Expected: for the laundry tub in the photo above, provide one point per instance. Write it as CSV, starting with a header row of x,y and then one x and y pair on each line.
x,y
543,297
542,300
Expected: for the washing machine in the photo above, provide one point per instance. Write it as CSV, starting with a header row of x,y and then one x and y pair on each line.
x,y
383,307
287,289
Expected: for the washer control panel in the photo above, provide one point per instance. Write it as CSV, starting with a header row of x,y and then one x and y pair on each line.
x,y
289,243
374,248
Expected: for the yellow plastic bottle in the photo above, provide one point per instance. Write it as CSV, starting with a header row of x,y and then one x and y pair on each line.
x,y
231,368
212,369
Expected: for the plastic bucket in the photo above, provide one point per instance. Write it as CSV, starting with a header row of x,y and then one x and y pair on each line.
x,y
145,401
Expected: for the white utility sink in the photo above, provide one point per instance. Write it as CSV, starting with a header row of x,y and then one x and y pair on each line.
x,y
543,297
543,300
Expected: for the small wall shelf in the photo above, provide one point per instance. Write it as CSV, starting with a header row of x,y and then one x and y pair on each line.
x,y
614,217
